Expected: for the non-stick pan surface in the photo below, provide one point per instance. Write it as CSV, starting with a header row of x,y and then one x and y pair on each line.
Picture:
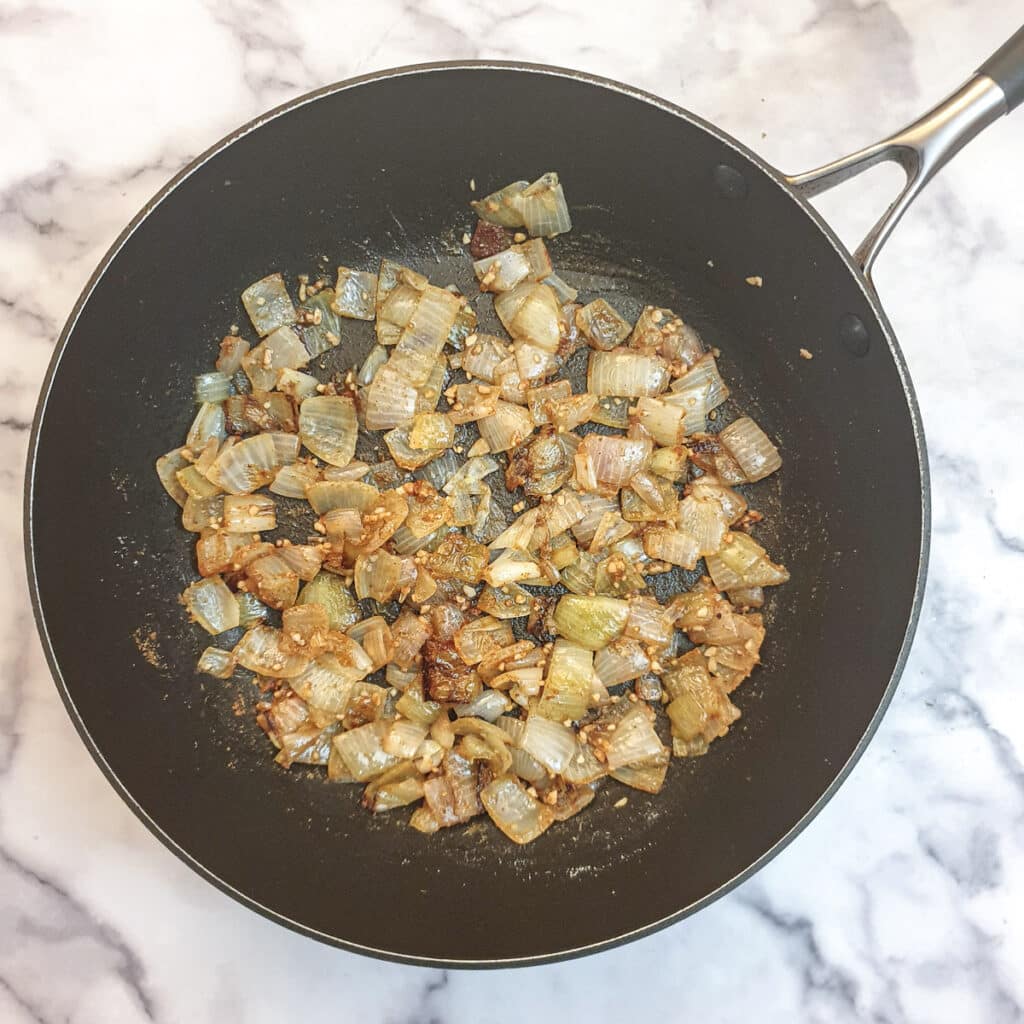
x,y
666,210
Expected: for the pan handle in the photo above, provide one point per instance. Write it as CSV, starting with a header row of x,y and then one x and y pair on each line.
x,y
926,145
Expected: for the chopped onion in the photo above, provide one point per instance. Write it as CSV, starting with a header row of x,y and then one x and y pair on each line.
x,y
249,513
660,330
568,686
634,740
268,304
260,411
592,622
649,622
602,325
500,207
733,503
374,636
605,464
626,373
595,507
511,567
543,208
489,706
551,743
232,351
531,312
329,591
212,387
328,428
703,519
278,351
209,422
749,445
674,546
215,551
292,481
275,582
390,400
620,662
507,428
742,562
211,604
482,354
355,293
362,751
331,494
420,346
303,559
502,271
217,663
481,637
564,291
669,463
251,610
245,466
167,468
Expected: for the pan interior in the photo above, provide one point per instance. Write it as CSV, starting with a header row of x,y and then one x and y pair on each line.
x,y
384,168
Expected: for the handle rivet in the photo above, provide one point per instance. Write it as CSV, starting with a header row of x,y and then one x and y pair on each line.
x,y
854,335
729,182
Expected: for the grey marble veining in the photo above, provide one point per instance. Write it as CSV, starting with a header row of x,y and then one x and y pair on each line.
x,y
904,900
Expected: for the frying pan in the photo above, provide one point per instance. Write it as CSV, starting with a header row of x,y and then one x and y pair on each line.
x,y
668,209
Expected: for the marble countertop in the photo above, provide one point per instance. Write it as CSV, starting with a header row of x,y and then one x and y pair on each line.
x,y
903,900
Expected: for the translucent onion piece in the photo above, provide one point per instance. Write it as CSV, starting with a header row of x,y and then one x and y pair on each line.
x,y
232,350
564,290
535,316
669,463
511,567
355,293
482,354
211,604
602,325
209,422
354,470
292,481
167,468
260,411
374,636
489,706
377,357
539,400
481,637
533,363
660,330
703,379
268,304
251,610
278,351
750,446
649,622
249,513
647,776
331,494
428,395
276,583
217,663
592,622
595,507
363,752
500,207
200,514
246,466
502,271
664,421
549,742
423,340
703,519
543,208
626,373
212,387
634,740
262,650
295,384
302,559
215,551
605,464
326,684
431,430
742,562
733,503
328,428
377,575
507,428
519,533
390,400
620,662
408,634
674,546
568,687
331,593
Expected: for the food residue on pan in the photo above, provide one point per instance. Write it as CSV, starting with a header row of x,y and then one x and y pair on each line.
x,y
755,281
806,354
146,642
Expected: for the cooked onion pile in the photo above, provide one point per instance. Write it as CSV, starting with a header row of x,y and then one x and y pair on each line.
x,y
431,639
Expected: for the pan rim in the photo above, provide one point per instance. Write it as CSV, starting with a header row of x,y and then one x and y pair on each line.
x,y
400,72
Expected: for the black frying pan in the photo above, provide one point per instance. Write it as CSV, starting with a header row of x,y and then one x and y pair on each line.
x,y
668,210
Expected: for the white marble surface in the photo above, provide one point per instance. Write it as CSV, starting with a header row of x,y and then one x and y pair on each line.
x,y
904,900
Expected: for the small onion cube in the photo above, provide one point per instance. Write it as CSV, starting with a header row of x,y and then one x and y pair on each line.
x,y
268,304
211,604
355,293
328,427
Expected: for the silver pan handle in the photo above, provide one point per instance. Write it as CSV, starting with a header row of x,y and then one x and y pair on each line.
x,y
929,143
